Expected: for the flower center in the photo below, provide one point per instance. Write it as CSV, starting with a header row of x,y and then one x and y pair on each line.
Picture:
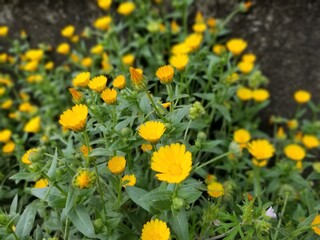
x,y
175,169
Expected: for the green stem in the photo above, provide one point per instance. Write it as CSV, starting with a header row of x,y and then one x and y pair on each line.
x,y
154,106
187,129
100,189
66,230
170,93
87,143
212,160
54,184
256,181
119,192
281,216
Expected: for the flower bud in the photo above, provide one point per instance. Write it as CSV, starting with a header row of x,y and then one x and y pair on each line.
x,y
126,132
235,149
178,203
316,167
196,111
202,136
98,224
35,156
287,190
34,167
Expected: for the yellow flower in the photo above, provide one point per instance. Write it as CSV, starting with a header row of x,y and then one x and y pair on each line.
x,y
302,96
2,90
126,8
215,189
85,151
7,104
242,137
76,95
8,147
35,78
259,163
25,157
294,152
292,124
193,41
310,141
74,118
155,230
4,31
261,150
128,180
211,22
218,49
34,54
84,178
166,104
119,82
117,164
179,61
49,65
3,57
42,183
5,135
33,125
245,94
104,4
180,48
74,57
103,23
136,75
298,136
245,67
175,28
75,38
236,46
31,66
14,115
86,62
315,225
165,74
81,80
281,134
151,131
260,95
199,27
146,147
68,31
109,96
172,162
63,48
98,84
97,49
249,57
128,59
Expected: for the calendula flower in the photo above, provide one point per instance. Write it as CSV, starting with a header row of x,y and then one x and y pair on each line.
x,y
104,4
151,131
33,125
215,189
180,48
85,150
281,134
34,54
199,27
74,118
126,8
3,57
8,147
128,59
117,164
103,23
166,104
218,49
49,65
244,94
236,46
25,157
193,41
179,61
75,38
245,67
292,124
98,84
7,104
119,82
172,163
175,28
109,96
242,137
315,225
294,152
249,57
68,31
76,95
260,95
74,58
136,75
97,49
211,22
81,80
155,229
5,135
35,78
4,31
84,178
42,183
165,74
146,147
302,96
86,62
63,48
31,66
310,141
261,150
128,180
2,91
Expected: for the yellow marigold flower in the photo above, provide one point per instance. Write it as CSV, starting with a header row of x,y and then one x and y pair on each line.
x,y
310,141
42,183
244,94
128,59
193,41
25,107
128,180
165,74
242,137
84,150
75,38
31,66
294,152
98,84
151,131
199,27
179,61
14,115
109,96
281,134
302,96
298,136
76,95
6,81
103,23
166,104
261,149
74,118
126,8
35,78
34,54
215,189
4,31
2,91
211,22
24,96
7,104
119,82
97,49
84,179
218,49
8,147
180,48
199,17
172,162
292,124
155,229
260,95
63,48
146,147
175,28
49,65
236,46
33,125
315,225
3,57
104,4
249,57
68,31
86,62
117,164
5,135
25,157
74,57
136,75
81,80
245,67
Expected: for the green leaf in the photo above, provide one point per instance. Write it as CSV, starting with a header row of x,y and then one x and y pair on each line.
x,y
24,176
81,220
136,194
145,104
179,225
179,114
14,204
25,223
224,111
53,166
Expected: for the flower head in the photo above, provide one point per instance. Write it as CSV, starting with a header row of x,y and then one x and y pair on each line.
x,y
294,152
179,61
74,118
33,126
25,158
249,57
84,178
34,54
76,95
261,149
146,147
85,150
5,135
151,131
136,75
218,49
98,84
180,49
310,141
215,189
104,4
97,49
193,41
292,124
7,104
172,162
4,31
245,67
86,62
109,96
42,183
165,74
236,46
63,48
129,180
119,82
242,137
117,164
8,147
68,31
302,96
128,59
81,80
126,8
155,229
315,225
260,95
245,94
103,23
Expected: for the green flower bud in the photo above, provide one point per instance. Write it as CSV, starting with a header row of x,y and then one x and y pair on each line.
x,y
228,187
316,167
235,149
126,132
178,203
168,127
202,136
35,156
196,111
98,224
287,190
257,79
3,219
34,167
